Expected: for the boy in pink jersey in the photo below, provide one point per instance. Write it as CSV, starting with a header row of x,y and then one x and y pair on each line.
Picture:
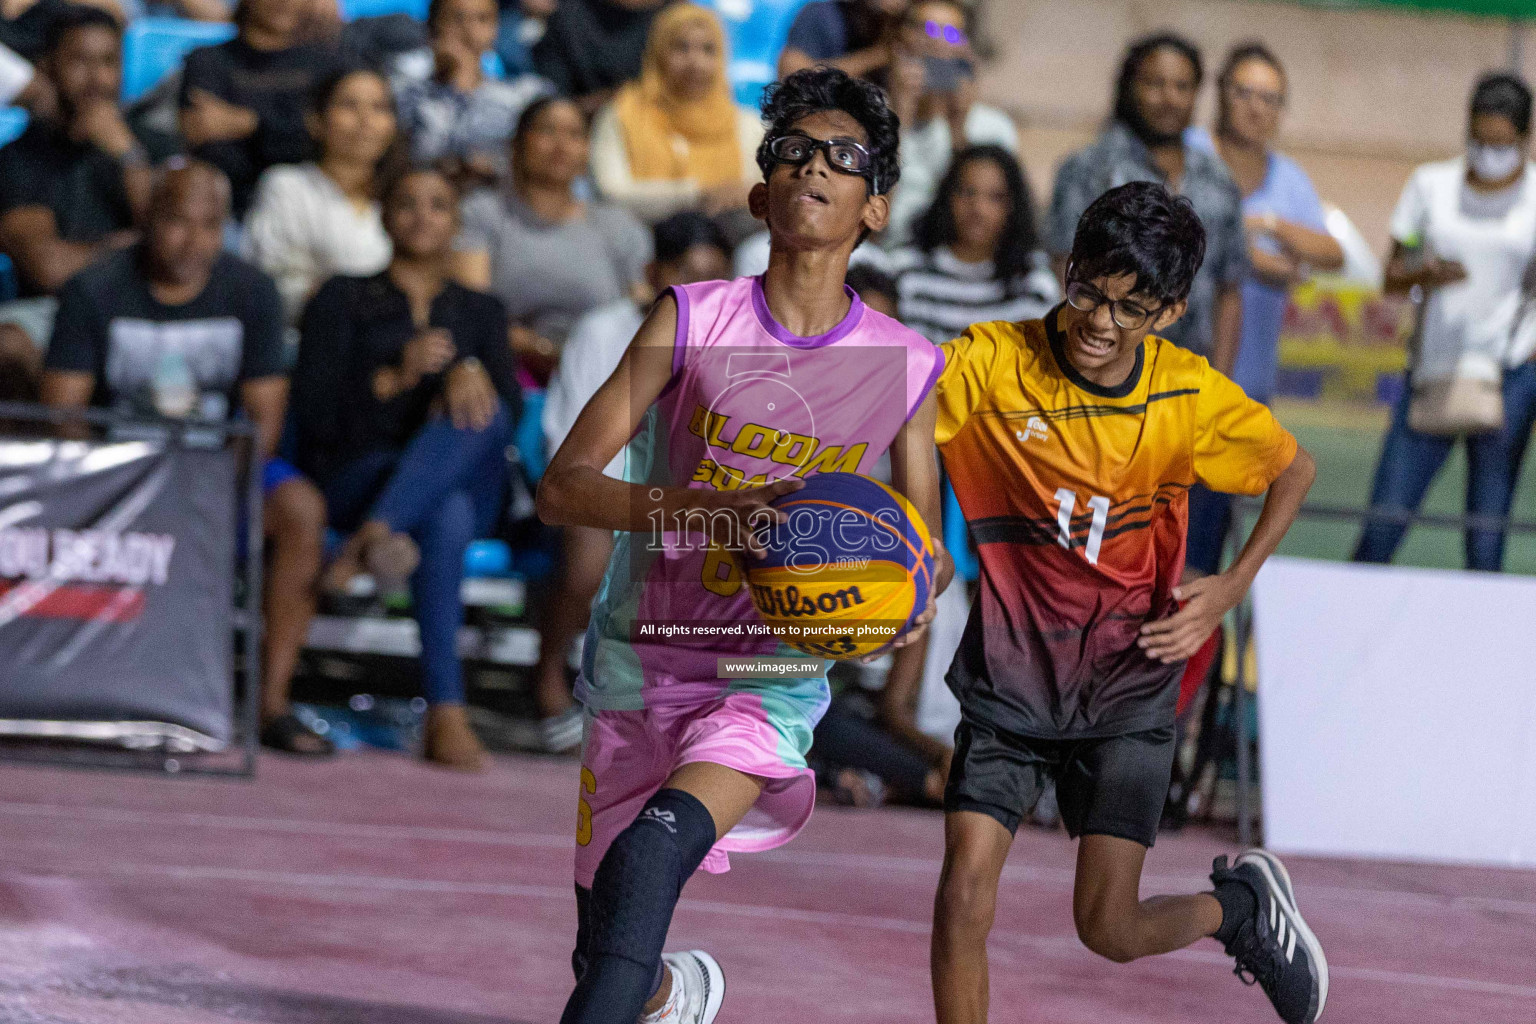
x,y
731,393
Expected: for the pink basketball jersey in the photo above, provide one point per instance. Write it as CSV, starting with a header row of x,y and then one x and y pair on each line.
x,y
748,403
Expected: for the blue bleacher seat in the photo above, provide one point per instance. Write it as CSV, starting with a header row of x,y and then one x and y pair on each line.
x,y
13,121
492,66
481,559
154,47
8,282
351,10
487,558
528,435
756,31
966,566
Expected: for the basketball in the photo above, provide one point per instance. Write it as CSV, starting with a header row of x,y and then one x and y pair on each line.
x,y
848,571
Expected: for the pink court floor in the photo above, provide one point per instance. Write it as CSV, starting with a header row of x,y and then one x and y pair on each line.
x,y
375,890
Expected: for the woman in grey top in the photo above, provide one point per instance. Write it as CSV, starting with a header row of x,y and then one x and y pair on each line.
x,y
546,253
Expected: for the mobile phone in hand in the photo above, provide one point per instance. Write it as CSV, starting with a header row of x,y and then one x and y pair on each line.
x,y
944,75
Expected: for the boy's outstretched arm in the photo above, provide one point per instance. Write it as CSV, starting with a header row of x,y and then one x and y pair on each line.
x,y
574,491
1207,599
915,474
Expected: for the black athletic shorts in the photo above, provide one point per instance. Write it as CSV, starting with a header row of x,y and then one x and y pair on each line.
x,y
1110,785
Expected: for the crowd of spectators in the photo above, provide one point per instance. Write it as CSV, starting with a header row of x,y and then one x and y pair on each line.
x,y
424,226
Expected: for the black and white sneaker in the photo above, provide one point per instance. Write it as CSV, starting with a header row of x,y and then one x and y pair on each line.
x,y
1275,948
702,985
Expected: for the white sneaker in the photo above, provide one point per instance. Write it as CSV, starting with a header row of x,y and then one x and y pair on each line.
x,y
561,734
698,988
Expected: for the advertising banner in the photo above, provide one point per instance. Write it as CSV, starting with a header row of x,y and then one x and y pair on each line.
x,y
1397,719
117,564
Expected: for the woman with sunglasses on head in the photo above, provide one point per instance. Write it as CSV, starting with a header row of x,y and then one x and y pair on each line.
x,y
548,254
1287,241
312,221
932,82
676,139
676,756
403,400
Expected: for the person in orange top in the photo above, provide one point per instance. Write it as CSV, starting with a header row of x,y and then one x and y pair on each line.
x,y
1072,443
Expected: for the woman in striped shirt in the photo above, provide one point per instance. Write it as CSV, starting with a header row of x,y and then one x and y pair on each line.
x,y
977,256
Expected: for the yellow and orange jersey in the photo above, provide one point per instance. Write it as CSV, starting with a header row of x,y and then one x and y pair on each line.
x,y
1077,498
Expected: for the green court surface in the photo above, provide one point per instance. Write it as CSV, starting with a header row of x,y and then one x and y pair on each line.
x,y
1346,441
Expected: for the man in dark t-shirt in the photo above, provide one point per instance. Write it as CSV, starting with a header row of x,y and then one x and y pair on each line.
x,y
591,47
71,185
145,356
177,327
243,102
851,35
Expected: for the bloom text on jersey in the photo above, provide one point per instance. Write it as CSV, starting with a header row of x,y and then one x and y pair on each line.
x,y
759,442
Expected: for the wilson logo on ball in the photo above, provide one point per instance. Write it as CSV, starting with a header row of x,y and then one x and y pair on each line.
x,y
847,571
790,601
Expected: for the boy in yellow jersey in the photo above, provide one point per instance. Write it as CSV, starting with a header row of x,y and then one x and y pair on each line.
x,y
1072,443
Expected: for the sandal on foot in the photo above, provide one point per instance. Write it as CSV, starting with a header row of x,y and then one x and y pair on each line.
x,y
373,550
392,559
289,734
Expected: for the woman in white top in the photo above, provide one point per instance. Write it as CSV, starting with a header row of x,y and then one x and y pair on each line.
x,y
312,221
1464,233
675,139
976,256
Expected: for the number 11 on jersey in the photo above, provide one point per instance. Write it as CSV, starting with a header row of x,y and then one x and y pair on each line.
x,y
1067,500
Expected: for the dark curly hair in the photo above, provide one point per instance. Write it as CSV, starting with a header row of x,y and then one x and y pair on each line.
x,y
1140,228
1126,111
813,90
1014,254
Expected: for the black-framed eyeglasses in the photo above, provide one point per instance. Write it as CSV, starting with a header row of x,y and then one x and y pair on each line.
x,y
1127,315
843,154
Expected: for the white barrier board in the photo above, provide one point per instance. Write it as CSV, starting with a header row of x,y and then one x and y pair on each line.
x,y
1397,712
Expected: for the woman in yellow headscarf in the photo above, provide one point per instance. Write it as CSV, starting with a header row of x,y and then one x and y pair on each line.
x,y
675,139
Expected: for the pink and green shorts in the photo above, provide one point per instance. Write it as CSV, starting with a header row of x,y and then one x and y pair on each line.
x,y
628,755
